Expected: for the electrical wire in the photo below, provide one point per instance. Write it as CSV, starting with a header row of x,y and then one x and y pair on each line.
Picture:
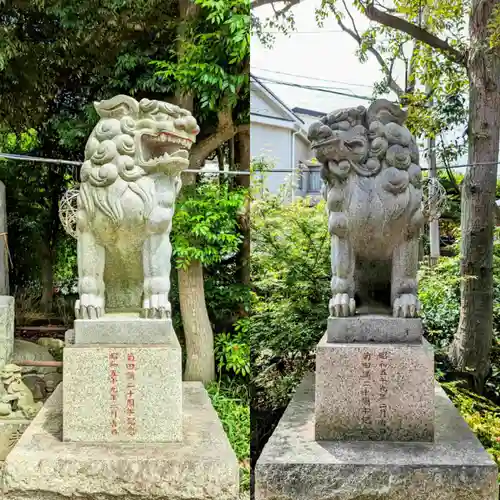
x,y
293,32
20,157
312,78
317,89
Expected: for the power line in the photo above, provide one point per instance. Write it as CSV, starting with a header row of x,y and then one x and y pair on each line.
x,y
317,89
293,32
9,156
21,157
313,78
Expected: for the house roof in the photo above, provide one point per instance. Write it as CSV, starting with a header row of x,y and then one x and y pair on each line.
x,y
266,90
308,112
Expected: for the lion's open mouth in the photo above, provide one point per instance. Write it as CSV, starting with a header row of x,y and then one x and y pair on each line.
x,y
164,146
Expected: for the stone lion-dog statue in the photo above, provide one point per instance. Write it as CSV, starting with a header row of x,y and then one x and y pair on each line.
x,y
129,182
373,191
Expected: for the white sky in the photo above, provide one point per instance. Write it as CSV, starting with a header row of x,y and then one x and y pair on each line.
x,y
324,53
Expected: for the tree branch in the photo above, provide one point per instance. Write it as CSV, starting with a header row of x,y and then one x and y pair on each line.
x,y
416,32
288,5
226,130
393,85
355,29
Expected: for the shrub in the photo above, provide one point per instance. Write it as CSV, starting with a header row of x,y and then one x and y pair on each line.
x,y
231,404
232,352
290,278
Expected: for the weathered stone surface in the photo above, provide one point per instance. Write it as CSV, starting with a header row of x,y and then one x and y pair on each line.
x,y
25,350
6,327
130,179
4,255
293,466
374,328
374,391
125,328
69,337
373,195
10,432
202,466
16,398
41,380
122,393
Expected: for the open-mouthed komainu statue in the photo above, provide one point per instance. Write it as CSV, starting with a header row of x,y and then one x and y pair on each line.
x,y
373,192
129,182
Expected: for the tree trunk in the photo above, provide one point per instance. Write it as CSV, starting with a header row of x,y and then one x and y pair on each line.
x,y
198,333
471,346
244,218
200,363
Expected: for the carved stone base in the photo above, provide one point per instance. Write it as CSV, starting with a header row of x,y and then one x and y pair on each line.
x,y
123,393
293,466
124,328
10,433
374,392
374,328
6,328
202,466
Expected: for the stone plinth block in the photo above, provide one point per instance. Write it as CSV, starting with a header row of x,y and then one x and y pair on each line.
x,y
374,391
293,466
374,328
6,329
124,328
121,393
203,466
10,432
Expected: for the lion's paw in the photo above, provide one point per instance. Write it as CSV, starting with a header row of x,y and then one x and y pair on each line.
x,y
341,305
89,307
156,306
406,306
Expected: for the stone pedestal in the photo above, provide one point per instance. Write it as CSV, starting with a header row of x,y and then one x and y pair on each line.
x,y
122,376
372,424
202,466
295,466
10,432
4,248
122,393
123,328
372,391
374,328
7,312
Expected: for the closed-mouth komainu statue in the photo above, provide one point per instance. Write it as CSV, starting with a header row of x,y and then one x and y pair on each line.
x,y
370,165
129,182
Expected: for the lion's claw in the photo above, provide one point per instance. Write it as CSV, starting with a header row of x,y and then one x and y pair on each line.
x,y
406,306
87,311
156,306
156,313
341,305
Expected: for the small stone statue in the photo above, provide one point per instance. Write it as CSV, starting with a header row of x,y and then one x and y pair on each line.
x,y
373,192
129,182
16,400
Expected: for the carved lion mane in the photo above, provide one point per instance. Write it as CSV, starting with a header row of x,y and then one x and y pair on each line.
x,y
373,192
121,151
129,182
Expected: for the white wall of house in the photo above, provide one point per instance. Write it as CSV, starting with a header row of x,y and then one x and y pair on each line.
x,y
277,135
259,105
275,145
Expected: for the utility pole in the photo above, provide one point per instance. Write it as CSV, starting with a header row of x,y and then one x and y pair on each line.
x,y
433,212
